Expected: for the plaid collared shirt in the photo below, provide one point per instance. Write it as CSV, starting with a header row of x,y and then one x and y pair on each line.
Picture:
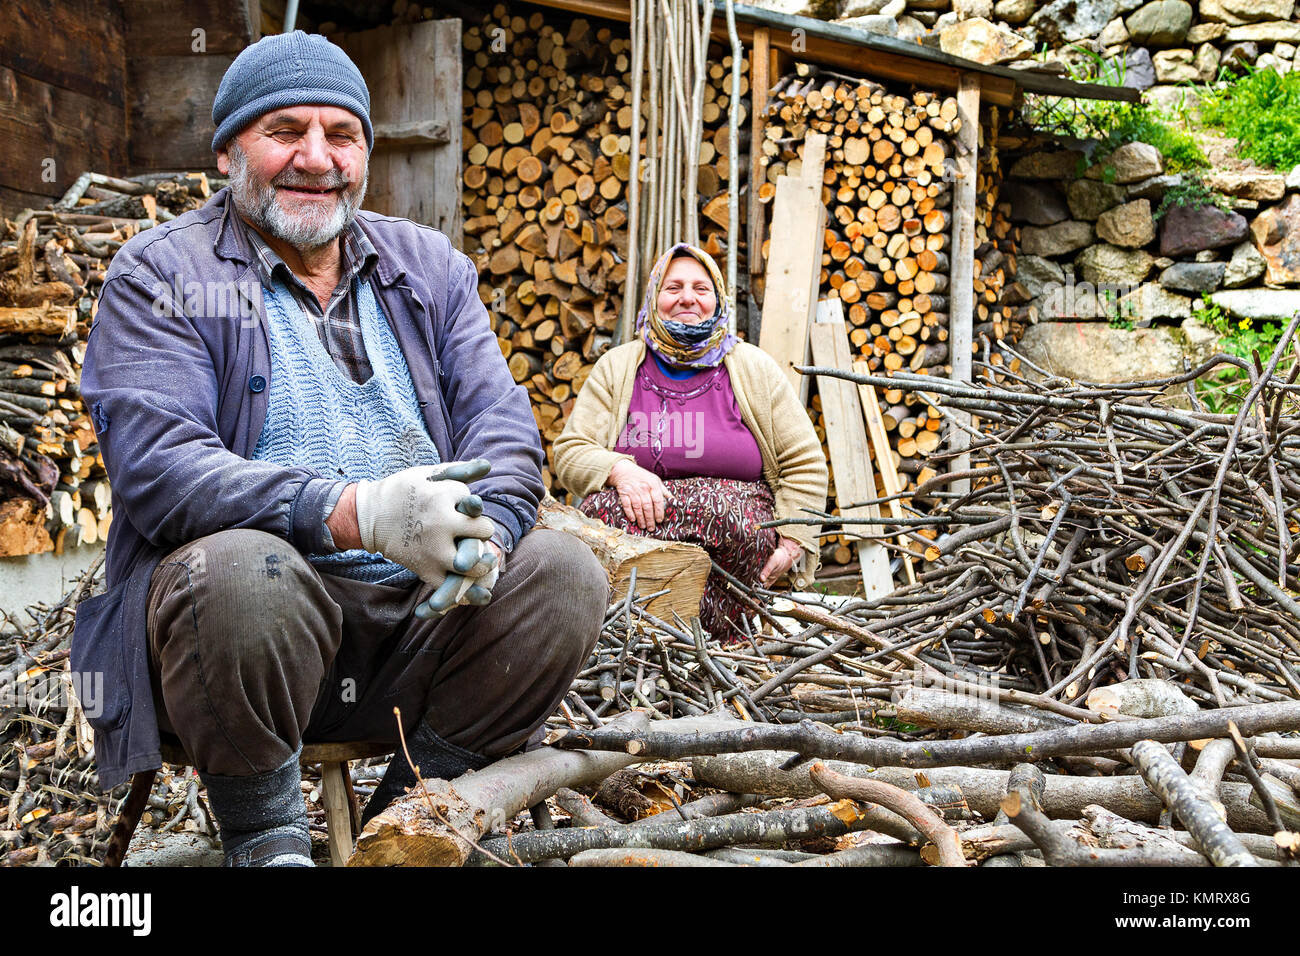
x,y
339,323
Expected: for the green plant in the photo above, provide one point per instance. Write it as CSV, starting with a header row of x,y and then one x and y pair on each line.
x,y
1221,391
1261,110
1192,192
1113,122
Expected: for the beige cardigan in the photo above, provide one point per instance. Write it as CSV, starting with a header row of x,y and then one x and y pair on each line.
x,y
793,464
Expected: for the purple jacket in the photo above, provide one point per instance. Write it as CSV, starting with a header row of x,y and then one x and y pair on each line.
x,y
178,396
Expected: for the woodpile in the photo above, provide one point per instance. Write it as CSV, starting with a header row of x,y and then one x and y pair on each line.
x,y
548,115
888,190
53,488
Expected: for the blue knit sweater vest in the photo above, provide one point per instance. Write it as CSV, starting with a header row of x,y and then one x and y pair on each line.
x,y
317,417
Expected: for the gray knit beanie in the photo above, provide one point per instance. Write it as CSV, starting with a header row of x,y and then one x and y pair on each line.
x,y
288,69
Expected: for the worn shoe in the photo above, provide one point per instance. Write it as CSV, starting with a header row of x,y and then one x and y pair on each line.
x,y
262,817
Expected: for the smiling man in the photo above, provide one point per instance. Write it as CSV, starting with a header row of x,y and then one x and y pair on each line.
x,y
292,485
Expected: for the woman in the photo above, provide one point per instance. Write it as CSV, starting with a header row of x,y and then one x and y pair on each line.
x,y
688,434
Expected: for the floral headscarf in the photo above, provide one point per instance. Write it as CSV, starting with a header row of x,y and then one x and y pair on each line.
x,y
686,346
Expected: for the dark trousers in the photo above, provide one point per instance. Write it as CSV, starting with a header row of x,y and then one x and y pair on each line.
x,y
254,651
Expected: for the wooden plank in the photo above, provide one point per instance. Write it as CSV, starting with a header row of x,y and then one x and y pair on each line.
x,y
760,81
414,75
846,437
884,455
76,45
154,28
48,131
170,120
961,281
794,264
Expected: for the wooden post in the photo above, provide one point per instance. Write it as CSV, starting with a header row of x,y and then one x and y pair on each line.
x,y
846,437
961,286
759,82
794,264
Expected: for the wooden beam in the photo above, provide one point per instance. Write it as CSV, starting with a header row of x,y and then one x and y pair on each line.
x,y
794,264
846,437
424,133
961,282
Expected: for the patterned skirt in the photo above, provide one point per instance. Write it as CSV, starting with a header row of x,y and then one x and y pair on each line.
x,y
720,514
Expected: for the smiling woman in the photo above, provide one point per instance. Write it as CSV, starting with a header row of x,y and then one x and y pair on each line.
x,y
689,434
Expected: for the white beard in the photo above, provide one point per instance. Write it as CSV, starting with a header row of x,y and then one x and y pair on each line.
x,y
304,225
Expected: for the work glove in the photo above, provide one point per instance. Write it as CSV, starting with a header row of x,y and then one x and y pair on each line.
x,y
427,520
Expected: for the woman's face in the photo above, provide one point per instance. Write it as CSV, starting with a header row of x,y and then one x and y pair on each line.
x,y
687,293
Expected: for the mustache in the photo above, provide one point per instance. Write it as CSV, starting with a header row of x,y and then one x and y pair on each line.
x,y
334,179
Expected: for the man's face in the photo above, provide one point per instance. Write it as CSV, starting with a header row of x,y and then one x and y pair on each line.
x,y
298,173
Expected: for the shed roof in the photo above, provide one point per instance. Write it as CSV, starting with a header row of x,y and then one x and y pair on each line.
x,y
840,46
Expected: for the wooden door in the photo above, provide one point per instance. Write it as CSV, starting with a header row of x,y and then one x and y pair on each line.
x,y
415,80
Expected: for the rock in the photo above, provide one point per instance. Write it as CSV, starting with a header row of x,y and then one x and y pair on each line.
x,y
945,20
1206,62
1055,240
1139,71
979,40
1160,23
1274,31
792,8
1155,187
1109,265
1205,32
971,9
1114,34
929,4
910,28
1089,198
1096,352
1193,276
1151,301
1285,51
1188,229
1251,184
1293,178
1058,164
887,26
1171,99
1276,233
1267,61
1175,66
1206,255
1076,300
1237,12
1067,21
1245,266
1129,225
862,8
1038,275
1259,305
1039,204
1014,11
1162,262
1131,162
926,17
1240,56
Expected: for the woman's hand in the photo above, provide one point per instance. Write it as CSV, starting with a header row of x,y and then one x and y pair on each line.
x,y
640,492
782,559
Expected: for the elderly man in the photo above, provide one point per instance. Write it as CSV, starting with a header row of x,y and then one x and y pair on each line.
x,y
289,480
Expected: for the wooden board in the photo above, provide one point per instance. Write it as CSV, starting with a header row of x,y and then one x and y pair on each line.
x,y
961,287
794,264
414,75
759,83
170,119
883,453
75,45
846,437
154,29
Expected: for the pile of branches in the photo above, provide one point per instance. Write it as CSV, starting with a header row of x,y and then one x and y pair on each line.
x,y
52,809
1098,666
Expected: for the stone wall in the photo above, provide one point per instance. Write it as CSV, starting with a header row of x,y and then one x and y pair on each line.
x,y
1162,42
1094,262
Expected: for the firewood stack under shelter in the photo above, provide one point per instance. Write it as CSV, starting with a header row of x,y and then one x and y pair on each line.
x,y
54,491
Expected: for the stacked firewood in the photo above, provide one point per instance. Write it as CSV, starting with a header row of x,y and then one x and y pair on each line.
x,y
888,189
53,488
547,139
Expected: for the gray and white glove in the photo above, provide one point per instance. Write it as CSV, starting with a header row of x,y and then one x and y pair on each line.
x,y
426,519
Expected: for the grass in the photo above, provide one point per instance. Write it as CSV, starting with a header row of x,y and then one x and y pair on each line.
x,y
1261,110
1222,391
